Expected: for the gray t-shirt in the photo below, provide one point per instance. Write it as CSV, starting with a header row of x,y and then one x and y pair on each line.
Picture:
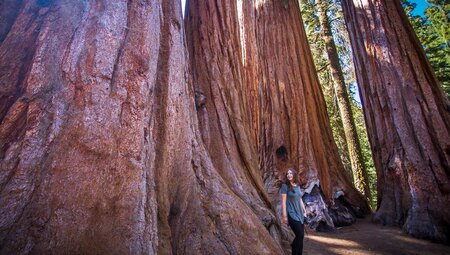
x,y
293,202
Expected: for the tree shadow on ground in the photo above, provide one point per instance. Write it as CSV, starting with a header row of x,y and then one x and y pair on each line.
x,y
367,238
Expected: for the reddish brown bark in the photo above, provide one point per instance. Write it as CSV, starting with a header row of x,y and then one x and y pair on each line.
x,y
9,10
213,38
293,127
407,119
222,39
101,151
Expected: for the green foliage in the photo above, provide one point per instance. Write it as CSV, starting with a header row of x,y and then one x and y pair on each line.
x,y
365,149
433,31
317,45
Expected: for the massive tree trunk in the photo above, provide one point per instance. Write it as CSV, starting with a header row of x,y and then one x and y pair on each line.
x,y
407,119
222,40
293,123
213,38
100,148
360,176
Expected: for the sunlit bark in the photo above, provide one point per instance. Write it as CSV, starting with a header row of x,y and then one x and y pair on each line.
x,y
407,119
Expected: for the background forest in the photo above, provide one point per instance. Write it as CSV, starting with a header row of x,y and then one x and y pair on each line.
x,y
431,21
128,128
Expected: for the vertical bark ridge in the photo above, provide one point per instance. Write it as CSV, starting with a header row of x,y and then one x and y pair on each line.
x,y
219,75
159,120
312,152
18,63
9,10
224,115
401,94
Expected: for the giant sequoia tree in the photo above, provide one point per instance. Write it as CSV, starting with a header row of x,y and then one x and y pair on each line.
x,y
293,122
104,149
407,119
213,38
100,147
289,126
229,94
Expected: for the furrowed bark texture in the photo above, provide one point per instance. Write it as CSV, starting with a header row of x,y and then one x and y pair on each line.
x,y
407,119
221,42
9,10
100,147
360,176
213,37
73,157
293,124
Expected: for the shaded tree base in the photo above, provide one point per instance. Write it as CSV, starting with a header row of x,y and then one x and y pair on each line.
x,y
421,225
323,217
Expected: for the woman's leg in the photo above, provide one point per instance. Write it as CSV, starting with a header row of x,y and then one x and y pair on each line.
x,y
298,228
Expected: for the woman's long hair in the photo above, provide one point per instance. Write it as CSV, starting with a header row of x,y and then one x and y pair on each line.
x,y
286,180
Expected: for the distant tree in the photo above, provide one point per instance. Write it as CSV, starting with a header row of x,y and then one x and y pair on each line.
x,y
325,28
407,119
340,89
317,45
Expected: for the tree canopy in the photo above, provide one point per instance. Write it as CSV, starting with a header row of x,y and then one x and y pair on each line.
x,y
433,31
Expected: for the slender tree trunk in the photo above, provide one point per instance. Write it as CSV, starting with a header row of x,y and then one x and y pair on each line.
x,y
360,177
316,42
407,119
100,145
294,127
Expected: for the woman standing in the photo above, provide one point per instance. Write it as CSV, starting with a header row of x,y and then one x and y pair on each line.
x,y
293,209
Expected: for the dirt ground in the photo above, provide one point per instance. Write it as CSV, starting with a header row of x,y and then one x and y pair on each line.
x,y
366,238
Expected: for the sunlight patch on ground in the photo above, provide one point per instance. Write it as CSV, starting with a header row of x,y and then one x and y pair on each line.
x,y
330,241
408,239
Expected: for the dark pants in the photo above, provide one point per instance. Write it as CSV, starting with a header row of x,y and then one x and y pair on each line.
x,y
299,231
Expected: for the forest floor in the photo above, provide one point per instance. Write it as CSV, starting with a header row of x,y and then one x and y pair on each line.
x,y
366,238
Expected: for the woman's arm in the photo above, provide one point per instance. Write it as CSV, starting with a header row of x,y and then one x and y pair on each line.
x,y
283,208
